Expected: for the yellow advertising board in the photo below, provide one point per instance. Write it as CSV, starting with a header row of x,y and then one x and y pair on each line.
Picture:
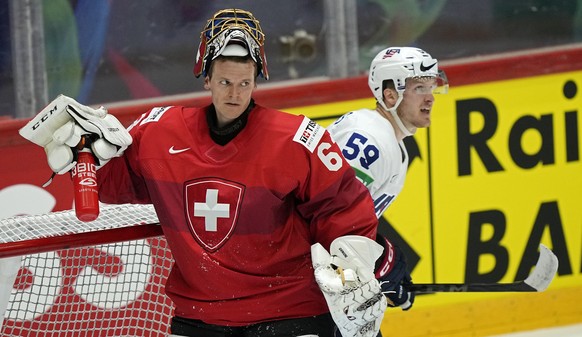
x,y
506,175
496,174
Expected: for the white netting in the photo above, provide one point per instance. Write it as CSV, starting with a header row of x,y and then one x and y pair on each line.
x,y
114,289
66,223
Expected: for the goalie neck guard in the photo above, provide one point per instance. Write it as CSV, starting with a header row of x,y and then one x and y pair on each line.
x,y
228,27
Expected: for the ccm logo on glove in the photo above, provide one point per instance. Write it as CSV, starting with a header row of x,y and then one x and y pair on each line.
x,y
44,118
388,263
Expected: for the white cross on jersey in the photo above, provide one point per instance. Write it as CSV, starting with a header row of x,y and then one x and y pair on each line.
x,y
211,210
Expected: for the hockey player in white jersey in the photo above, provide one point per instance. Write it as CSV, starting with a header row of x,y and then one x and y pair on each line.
x,y
403,81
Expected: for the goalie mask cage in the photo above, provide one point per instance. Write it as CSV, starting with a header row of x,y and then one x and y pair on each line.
x,y
102,278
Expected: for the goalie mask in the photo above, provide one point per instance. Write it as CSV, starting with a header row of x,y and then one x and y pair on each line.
x,y
231,32
399,64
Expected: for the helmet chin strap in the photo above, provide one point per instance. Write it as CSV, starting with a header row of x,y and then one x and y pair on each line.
x,y
394,114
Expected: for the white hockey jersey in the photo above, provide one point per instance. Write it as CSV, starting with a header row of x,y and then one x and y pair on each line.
x,y
369,144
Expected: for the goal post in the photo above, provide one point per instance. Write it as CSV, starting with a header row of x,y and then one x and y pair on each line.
x,y
103,278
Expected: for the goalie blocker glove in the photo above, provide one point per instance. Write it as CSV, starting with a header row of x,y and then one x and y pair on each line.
x,y
394,278
346,279
61,125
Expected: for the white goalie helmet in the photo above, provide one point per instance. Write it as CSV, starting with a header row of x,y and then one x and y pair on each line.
x,y
399,64
231,32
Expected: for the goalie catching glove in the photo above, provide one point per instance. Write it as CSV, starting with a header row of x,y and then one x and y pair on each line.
x,y
61,125
346,278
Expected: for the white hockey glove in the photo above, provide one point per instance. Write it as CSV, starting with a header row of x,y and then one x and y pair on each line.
x,y
346,278
59,127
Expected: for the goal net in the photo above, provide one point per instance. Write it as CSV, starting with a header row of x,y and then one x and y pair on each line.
x,y
71,278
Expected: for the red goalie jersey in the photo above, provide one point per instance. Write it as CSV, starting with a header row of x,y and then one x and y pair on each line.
x,y
240,218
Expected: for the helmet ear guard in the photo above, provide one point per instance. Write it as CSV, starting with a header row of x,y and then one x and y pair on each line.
x,y
224,28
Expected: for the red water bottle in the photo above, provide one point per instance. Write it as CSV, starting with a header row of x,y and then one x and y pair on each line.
x,y
84,176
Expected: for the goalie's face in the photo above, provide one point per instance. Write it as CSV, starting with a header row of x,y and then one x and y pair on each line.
x,y
231,85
